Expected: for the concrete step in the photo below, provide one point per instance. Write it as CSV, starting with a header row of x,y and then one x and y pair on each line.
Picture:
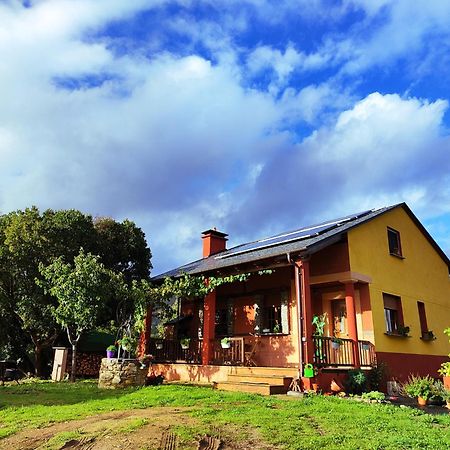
x,y
254,388
261,378
282,371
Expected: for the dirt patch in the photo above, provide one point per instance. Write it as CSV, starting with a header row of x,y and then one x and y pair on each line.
x,y
135,429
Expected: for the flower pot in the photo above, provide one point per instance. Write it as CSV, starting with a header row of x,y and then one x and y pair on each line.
x,y
110,354
225,344
159,345
421,401
335,345
446,380
366,347
315,387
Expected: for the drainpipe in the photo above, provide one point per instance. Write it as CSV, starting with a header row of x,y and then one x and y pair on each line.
x,y
299,315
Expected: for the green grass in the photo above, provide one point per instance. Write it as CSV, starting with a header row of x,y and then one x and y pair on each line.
x,y
309,423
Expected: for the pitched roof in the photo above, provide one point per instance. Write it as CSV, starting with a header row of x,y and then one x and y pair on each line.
x,y
304,241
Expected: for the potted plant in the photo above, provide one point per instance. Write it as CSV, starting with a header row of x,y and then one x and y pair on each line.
x,y
225,342
428,336
402,330
421,388
336,343
445,367
159,345
365,346
111,351
185,343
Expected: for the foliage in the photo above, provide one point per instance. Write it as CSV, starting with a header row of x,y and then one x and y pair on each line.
x,y
29,238
225,341
337,340
111,348
445,367
355,382
376,375
373,395
424,387
343,424
402,330
185,342
319,322
80,290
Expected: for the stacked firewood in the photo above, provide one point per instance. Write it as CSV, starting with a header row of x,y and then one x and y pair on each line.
x,y
88,364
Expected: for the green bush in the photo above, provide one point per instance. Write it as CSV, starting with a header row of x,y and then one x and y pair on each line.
x,y
424,387
356,382
373,395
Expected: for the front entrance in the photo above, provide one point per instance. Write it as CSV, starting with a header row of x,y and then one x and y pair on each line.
x,y
339,312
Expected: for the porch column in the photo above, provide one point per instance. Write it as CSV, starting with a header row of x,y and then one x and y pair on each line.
x,y
307,313
145,335
209,325
351,319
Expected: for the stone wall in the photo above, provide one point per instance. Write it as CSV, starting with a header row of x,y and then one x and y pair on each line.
x,y
115,374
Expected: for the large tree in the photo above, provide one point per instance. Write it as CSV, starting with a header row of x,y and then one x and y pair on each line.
x,y
29,238
80,289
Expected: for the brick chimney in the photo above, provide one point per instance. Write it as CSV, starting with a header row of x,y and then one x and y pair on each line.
x,y
213,242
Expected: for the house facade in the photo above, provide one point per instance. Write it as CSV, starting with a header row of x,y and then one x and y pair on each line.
x,y
349,293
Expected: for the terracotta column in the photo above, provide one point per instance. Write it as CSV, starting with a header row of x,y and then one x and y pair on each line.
x,y
209,325
351,319
306,319
144,338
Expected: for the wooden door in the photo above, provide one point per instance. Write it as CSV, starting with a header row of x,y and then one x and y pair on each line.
x,y
339,319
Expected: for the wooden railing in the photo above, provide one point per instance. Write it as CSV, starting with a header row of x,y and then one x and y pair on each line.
x,y
329,354
229,356
367,355
169,350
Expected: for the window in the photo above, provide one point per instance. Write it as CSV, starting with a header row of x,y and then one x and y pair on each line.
x,y
422,318
393,315
275,313
395,247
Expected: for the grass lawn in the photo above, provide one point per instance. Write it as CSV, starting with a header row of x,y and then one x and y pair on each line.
x,y
282,422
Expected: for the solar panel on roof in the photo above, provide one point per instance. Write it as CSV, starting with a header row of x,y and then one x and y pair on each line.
x,y
291,236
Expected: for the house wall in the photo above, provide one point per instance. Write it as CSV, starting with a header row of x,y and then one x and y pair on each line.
x,y
421,275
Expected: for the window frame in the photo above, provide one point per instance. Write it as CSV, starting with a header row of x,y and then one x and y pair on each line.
x,y
393,314
398,247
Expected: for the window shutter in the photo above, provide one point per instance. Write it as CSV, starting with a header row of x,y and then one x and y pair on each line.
x,y
284,312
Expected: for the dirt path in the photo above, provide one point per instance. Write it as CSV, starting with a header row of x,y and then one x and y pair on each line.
x,y
149,429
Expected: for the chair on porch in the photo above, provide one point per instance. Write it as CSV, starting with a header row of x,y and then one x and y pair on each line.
x,y
250,352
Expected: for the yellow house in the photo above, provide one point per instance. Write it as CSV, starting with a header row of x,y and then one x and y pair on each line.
x,y
348,293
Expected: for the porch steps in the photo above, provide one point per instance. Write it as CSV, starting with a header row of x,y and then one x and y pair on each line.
x,y
260,380
273,380
251,387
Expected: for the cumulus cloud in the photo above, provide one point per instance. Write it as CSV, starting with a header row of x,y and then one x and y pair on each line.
x,y
184,137
385,149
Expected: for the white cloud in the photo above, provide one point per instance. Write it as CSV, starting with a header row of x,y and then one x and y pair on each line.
x,y
383,150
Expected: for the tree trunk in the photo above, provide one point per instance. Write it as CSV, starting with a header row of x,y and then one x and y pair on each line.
x,y
74,362
38,360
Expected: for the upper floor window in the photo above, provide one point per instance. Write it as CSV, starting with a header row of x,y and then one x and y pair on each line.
x,y
395,247
393,314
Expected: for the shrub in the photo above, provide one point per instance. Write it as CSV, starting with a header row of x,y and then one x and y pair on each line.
x,y
376,375
373,395
416,386
356,382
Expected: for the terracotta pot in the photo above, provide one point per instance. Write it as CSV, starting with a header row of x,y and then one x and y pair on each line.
x,y
446,382
421,401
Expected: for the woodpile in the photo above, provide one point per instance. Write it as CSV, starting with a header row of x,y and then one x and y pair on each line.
x,y
88,364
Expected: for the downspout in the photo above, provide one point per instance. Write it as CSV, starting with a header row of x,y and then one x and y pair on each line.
x,y
299,315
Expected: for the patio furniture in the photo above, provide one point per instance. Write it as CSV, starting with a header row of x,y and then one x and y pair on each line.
x,y
250,352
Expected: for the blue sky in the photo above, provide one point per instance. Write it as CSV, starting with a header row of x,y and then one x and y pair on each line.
x,y
253,116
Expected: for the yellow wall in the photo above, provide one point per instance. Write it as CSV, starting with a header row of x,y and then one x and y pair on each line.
x,y
421,276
